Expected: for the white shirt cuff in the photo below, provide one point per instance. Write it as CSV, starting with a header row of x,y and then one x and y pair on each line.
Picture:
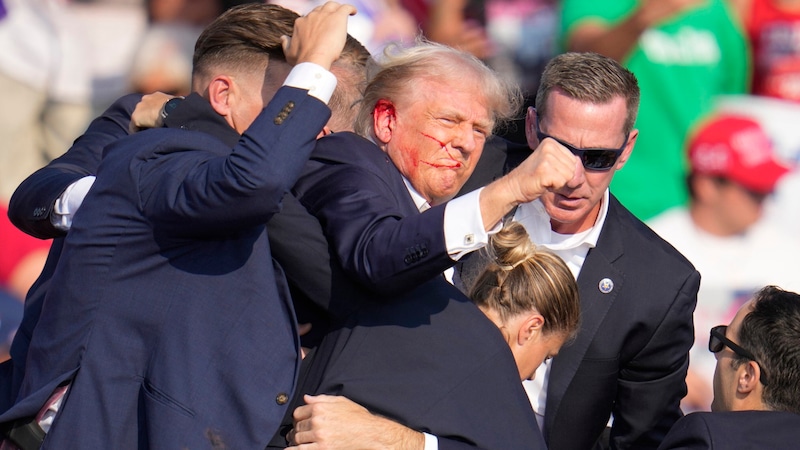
x,y
319,82
431,443
68,203
464,231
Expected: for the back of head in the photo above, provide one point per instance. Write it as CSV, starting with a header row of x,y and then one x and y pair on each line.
x,y
242,39
591,78
399,70
351,75
521,277
771,331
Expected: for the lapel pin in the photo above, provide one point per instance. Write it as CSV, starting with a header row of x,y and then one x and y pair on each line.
x,y
606,285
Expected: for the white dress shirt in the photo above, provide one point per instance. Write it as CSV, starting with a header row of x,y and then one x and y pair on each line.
x,y
572,248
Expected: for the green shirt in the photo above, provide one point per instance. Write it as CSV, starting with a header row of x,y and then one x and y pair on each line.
x,y
681,66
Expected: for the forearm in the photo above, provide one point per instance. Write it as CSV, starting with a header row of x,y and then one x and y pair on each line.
x,y
498,199
333,422
615,41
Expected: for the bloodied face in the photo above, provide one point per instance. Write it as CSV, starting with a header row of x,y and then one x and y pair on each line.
x,y
435,134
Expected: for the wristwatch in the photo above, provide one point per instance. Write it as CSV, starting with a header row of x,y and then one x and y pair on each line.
x,y
168,107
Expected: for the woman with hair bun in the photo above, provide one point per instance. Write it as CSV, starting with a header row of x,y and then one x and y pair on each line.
x,y
530,294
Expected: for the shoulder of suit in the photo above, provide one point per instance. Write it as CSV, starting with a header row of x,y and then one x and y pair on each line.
x,y
637,236
347,147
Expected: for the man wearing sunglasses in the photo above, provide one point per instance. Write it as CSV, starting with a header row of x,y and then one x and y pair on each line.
x,y
756,381
627,366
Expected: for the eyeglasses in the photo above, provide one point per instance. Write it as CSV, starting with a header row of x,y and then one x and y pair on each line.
x,y
718,341
600,159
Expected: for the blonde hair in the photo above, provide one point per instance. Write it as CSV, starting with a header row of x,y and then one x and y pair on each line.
x,y
521,277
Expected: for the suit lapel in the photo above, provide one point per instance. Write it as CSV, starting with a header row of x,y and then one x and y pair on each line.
x,y
595,305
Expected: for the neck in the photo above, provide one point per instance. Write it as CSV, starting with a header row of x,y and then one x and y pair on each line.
x,y
705,219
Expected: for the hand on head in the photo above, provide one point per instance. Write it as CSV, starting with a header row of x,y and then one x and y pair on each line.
x,y
147,113
319,37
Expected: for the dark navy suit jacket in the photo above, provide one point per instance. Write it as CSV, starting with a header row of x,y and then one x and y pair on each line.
x,y
295,237
165,312
417,350
739,430
30,208
631,353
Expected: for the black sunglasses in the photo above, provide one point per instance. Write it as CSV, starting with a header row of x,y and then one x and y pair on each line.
x,y
600,159
718,341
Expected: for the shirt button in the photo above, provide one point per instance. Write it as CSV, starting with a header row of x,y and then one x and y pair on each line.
x,y
282,398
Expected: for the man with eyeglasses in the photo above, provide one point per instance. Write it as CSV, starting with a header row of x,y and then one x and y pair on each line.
x,y
756,381
627,366
733,169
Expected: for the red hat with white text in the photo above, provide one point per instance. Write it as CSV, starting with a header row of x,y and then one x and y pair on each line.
x,y
736,148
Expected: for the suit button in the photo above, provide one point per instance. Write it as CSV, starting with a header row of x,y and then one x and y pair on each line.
x,y
282,398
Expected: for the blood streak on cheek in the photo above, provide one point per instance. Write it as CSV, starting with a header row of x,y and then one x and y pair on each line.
x,y
441,144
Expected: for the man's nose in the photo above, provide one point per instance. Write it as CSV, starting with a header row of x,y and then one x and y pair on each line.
x,y
465,140
578,176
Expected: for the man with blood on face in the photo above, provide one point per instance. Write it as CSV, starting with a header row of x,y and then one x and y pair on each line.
x,y
385,200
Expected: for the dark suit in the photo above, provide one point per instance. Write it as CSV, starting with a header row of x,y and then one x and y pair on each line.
x,y
30,208
418,350
740,430
165,312
631,353
295,237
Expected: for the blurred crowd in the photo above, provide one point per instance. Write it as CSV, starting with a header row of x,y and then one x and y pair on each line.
x,y
720,81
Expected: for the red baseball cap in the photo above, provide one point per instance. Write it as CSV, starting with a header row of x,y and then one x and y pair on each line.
x,y
737,148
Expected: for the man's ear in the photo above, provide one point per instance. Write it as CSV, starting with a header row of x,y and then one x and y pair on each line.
x,y
531,327
221,91
530,128
626,153
384,120
749,375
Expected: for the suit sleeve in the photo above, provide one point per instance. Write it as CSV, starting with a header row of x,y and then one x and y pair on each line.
x,y
31,204
297,242
378,236
652,385
689,433
452,444
190,192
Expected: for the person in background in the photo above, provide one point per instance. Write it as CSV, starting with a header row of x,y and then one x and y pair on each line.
x,y
732,170
756,380
379,23
46,85
684,53
21,260
773,30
